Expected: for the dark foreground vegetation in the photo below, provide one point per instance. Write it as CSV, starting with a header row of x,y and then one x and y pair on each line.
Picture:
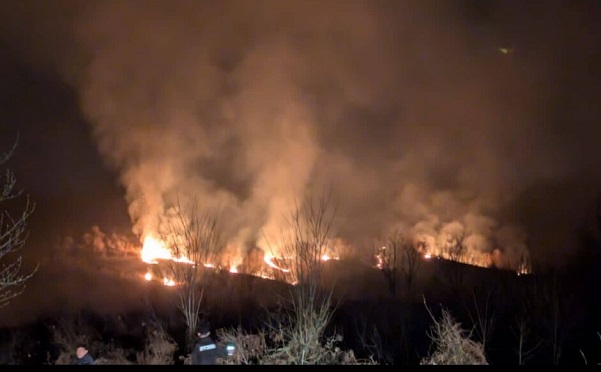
x,y
452,314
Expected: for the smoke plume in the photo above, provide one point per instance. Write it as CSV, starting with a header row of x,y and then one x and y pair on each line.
x,y
408,110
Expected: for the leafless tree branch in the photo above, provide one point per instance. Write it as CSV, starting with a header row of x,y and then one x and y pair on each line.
x,y
13,236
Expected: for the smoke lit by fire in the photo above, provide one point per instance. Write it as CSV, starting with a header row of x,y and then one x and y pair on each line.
x,y
302,95
255,119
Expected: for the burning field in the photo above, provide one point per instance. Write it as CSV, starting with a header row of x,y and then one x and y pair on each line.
x,y
155,252
111,272
256,262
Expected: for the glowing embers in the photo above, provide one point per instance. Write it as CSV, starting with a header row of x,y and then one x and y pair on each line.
x,y
327,257
166,281
381,257
523,270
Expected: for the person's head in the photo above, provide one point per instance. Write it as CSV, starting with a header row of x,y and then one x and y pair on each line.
x,y
204,328
81,350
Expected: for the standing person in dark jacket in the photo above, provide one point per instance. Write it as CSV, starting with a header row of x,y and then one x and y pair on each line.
x,y
83,357
205,350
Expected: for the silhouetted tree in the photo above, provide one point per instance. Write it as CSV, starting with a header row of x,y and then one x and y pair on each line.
x,y
453,246
371,339
483,315
192,235
13,236
524,328
552,298
397,256
310,307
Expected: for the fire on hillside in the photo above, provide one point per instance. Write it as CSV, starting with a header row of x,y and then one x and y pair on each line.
x,y
273,267
154,251
385,257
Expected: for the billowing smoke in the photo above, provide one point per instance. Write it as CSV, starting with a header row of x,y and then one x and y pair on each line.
x,y
247,105
407,110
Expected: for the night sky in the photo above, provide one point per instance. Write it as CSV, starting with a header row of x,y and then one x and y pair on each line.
x,y
409,110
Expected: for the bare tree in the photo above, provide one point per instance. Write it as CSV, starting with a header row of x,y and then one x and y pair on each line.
x,y
483,317
453,246
310,226
398,256
388,264
523,330
551,304
192,235
371,339
411,260
310,308
13,236
552,297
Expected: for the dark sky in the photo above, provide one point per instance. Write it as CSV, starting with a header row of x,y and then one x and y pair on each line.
x,y
408,110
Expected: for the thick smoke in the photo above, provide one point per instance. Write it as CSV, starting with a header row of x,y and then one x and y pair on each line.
x,y
248,105
407,110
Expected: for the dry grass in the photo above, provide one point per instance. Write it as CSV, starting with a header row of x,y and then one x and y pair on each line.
x,y
159,348
274,347
250,348
453,344
68,333
110,355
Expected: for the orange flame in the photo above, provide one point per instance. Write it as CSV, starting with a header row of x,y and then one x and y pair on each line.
x,y
326,257
269,261
155,250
